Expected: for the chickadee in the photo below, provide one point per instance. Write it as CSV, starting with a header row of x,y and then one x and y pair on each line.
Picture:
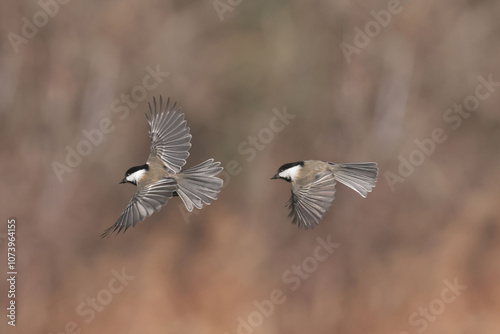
x,y
313,186
161,177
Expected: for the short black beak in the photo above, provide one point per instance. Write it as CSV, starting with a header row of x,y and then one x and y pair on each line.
x,y
123,181
275,177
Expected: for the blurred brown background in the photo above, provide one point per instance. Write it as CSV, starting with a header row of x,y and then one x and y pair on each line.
x,y
397,247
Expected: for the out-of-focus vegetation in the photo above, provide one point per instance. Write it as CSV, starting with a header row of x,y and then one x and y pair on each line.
x,y
397,246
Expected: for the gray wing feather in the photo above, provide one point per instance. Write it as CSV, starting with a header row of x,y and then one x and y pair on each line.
x,y
145,202
170,137
309,203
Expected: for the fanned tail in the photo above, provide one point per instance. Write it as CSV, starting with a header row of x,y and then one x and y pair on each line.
x,y
198,185
360,177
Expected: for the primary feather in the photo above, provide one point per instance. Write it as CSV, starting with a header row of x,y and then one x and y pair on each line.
x,y
170,137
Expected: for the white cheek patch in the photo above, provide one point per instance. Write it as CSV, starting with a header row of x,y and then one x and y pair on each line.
x,y
135,177
290,173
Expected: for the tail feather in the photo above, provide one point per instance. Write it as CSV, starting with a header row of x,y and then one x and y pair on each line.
x,y
198,185
360,177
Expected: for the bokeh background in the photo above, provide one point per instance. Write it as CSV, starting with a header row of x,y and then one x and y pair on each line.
x,y
228,71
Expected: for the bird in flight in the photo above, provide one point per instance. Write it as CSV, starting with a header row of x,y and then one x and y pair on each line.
x,y
162,177
313,186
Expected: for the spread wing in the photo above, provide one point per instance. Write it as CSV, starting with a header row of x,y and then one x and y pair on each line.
x,y
308,203
170,137
145,202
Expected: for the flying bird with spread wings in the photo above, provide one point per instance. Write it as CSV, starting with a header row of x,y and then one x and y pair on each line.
x,y
313,186
162,177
